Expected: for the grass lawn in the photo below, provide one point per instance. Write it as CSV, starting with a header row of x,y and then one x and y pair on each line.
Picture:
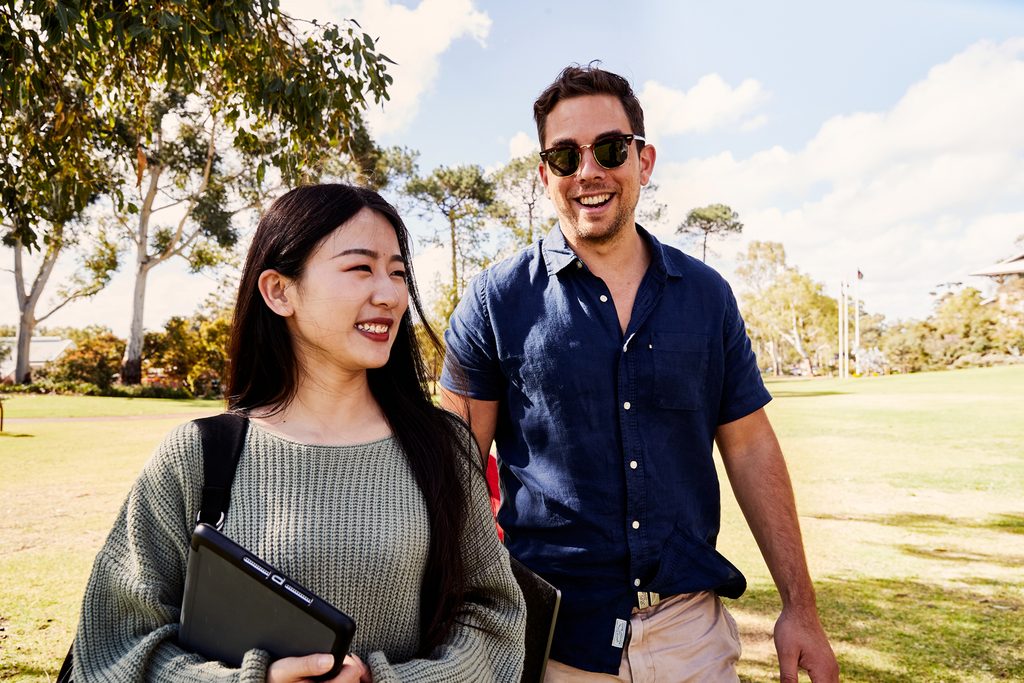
x,y
909,489
911,498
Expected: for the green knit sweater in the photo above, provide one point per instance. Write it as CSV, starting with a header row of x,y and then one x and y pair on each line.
x,y
348,522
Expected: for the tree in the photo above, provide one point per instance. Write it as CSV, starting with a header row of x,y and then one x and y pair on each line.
x,y
248,76
757,268
714,220
95,358
964,325
782,304
522,209
904,345
95,269
53,165
193,351
463,196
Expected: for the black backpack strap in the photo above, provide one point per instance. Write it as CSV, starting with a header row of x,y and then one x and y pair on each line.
x,y
64,676
223,439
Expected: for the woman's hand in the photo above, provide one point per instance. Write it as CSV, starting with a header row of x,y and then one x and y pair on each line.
x,y
298,669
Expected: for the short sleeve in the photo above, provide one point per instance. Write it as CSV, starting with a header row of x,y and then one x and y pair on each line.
x,y
471,366
743,390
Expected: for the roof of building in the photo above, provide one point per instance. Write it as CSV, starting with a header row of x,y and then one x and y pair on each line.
x,y
1011,266
42,350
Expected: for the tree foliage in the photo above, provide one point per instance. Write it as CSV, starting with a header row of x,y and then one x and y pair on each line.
x,y
464,197
785,309
89,76
95,358
74,67
714,220
522,207
192,352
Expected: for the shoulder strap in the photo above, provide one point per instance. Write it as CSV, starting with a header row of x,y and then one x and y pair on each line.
x,y
223,439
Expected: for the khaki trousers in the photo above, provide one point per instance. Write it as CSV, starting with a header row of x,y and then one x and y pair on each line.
x,y
689,637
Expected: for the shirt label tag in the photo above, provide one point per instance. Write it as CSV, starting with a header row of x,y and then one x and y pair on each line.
x,y
619,639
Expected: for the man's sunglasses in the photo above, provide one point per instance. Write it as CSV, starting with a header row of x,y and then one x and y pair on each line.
x,y
610,153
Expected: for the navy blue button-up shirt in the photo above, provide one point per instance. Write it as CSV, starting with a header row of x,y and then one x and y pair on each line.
x,y
605,439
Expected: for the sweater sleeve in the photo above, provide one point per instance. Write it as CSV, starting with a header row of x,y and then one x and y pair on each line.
x,y
132,601
487,641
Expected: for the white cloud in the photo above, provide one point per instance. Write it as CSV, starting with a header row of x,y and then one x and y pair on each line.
x,y
415,39
711,103
522,144
917,195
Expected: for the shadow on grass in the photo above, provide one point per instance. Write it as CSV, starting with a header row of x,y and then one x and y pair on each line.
x,y
1013,524
951,555
30,673
1010,523
889,631
806,394
13,435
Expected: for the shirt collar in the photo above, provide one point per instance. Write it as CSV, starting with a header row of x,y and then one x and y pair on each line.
x,y
558,255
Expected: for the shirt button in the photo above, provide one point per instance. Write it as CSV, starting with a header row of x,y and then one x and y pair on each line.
x,y
632,464
579,264
627,405
636,582
604,299
636,524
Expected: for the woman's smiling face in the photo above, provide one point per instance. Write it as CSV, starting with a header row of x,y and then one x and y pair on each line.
x,y
350,299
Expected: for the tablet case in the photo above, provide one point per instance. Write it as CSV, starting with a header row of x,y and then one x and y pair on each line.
x,y
235,602
542,602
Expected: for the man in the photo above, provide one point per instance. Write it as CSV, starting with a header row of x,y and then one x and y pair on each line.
x,y
604,365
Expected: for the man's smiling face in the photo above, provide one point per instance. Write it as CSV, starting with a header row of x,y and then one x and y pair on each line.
x,y
595,204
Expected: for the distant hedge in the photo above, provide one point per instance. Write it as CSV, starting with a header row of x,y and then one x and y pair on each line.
x,y
47,386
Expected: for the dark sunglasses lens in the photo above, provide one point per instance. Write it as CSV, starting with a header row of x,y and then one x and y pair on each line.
x,y
611,153
563,161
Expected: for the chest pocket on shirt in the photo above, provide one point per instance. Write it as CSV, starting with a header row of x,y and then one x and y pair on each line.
x,y
680,369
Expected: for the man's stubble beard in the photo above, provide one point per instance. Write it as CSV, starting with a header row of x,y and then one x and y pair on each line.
x,y
620,221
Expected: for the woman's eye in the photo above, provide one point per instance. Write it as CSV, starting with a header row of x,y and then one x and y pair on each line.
x,y
399,273
365,268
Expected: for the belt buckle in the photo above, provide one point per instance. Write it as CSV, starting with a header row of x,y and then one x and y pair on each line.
x,y
645,599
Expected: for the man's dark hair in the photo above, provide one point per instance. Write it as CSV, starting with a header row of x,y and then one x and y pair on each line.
x,y
575,81
265,372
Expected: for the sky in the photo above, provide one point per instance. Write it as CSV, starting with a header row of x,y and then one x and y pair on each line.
x,y
881,136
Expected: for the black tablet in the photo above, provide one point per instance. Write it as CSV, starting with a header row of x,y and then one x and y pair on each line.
x,y
542,603
235,602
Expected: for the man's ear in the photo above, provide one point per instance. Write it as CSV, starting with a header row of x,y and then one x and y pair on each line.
x,y
647,157
542,169
274,290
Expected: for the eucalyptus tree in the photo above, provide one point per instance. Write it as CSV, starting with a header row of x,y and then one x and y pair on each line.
x,y
785,309
714,220
464,197
250,82
524,211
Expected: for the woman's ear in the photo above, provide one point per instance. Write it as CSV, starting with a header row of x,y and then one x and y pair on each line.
x,y
274,290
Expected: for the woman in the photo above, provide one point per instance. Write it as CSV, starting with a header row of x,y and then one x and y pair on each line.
x,y
351,481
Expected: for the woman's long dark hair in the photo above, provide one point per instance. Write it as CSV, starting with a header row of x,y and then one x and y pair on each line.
x,y
265,372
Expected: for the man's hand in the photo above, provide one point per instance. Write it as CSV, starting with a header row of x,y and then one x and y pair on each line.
x,y
802,644
298,669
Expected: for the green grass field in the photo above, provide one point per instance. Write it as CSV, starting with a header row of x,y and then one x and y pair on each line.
x,y
910,489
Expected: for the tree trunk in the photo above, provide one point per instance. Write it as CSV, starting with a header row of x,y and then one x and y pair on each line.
x,y
27,301
704,253
131,364
22,369
798,346
773,351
